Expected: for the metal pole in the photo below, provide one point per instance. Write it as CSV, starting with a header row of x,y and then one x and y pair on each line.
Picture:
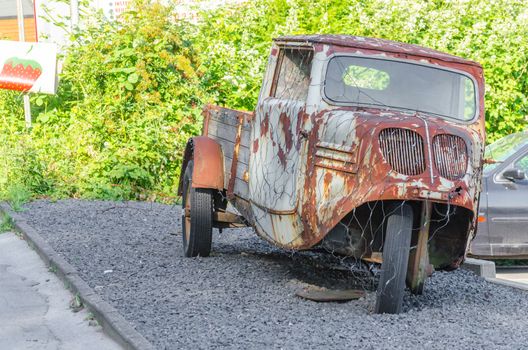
x,y
22,37
74,13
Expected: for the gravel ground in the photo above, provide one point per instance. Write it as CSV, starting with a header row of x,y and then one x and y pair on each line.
x,y
243,295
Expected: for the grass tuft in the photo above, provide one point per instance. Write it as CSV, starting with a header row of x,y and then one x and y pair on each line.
x,y
6,223
18,195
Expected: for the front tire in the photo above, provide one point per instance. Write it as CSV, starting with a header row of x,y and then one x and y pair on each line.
x,y
197,217
389,296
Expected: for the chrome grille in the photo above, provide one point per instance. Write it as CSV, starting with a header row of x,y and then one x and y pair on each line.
x,y
450,156
403,150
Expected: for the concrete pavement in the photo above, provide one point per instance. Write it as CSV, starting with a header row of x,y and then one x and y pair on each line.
x,y
34,305
515,274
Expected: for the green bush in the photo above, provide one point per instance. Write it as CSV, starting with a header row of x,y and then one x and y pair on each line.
x,y
128,99
131,93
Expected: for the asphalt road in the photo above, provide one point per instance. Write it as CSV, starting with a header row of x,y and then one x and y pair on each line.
x,y
243,296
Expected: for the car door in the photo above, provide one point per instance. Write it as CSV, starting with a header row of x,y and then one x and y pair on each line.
x,y
508,210
274,162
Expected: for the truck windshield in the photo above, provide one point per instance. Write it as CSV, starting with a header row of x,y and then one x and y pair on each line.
x,y
393,84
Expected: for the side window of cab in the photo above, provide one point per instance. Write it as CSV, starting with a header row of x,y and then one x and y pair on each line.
x,y
292,75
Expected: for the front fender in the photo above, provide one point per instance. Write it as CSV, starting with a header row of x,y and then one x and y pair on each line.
x,y
208,159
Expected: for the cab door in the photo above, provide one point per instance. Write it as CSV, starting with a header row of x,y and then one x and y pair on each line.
x,y
276,142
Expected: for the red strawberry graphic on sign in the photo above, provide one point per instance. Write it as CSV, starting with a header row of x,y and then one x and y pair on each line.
x,y
19,74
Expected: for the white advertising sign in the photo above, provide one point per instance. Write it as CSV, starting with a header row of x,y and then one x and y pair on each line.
x,y
28,67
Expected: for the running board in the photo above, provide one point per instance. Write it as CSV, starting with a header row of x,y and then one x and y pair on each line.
x,y
226,220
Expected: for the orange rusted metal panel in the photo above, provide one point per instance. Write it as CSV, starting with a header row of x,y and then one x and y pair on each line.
x,y
208,171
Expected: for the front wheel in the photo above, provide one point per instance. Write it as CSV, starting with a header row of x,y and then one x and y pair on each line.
x,y
197,217
389,296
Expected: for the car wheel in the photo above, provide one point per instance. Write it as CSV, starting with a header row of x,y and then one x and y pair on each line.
x,y
197,217
389,296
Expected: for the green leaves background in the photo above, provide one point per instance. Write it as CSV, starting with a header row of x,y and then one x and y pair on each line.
x,y
131,93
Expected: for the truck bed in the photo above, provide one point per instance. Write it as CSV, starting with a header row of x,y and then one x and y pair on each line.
x,y
231,129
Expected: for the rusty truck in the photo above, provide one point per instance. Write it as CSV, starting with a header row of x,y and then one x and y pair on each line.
x,y
365,147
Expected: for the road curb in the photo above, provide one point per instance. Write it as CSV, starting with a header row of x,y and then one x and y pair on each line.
x,y
482,268
507,283
110,320
487,270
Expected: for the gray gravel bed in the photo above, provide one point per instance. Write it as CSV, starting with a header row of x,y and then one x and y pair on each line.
x,y
243,295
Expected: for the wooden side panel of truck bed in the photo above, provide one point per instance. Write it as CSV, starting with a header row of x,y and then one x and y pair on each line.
x,y
231,129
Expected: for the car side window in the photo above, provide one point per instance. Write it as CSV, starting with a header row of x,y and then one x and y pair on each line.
x,y
522,163
292,78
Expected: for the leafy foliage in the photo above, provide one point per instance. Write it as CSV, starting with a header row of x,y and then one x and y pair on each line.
x,y
128,99
130,93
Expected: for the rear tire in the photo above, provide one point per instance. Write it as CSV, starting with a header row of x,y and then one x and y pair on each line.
x,y
391,286
197,217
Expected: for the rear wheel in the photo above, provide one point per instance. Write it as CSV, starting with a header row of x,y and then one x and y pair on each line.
x,y
396,248
197,217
